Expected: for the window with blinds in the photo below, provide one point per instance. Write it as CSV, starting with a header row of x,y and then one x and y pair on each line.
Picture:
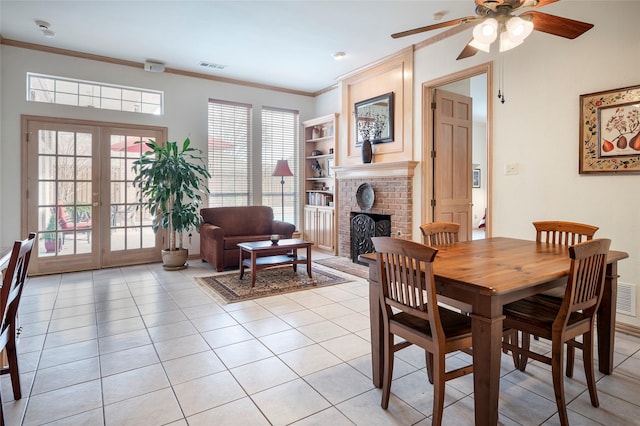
x,y
229,153
280,141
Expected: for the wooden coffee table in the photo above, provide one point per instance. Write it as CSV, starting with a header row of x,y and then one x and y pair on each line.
x,y
270,255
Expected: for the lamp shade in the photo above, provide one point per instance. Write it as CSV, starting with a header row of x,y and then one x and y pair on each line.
x,y
282,169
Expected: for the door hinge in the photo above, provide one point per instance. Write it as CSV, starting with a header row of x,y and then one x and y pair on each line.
x,y
433,154
433,105
433,203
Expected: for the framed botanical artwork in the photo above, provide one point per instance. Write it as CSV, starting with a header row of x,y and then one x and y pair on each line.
x,y
475,180
610,131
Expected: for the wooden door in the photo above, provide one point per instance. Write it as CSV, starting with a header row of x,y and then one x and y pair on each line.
x,y
79,195
452,160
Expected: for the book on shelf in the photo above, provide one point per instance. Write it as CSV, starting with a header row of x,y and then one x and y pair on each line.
x,y
319,199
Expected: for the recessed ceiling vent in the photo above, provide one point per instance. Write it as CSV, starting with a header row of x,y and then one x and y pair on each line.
x,y
212,65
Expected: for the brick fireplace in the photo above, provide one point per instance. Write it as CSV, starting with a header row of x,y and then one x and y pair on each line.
x,y
393,188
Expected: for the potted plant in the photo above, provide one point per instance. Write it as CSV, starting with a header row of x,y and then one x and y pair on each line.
x,y
171,181
50,243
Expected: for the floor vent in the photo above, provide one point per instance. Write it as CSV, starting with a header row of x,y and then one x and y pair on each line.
x,y
626,303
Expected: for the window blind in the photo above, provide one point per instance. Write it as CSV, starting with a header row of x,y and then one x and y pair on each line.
x,y
280,141
229,153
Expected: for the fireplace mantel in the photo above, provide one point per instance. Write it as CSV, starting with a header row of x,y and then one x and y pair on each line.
x,y
371,170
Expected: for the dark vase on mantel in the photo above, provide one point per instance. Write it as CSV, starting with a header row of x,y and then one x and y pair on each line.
x,y
366,151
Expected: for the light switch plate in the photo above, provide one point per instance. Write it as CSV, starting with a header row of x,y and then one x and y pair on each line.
x,y
511,169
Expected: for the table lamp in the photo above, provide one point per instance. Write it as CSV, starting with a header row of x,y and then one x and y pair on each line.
x,y
282,170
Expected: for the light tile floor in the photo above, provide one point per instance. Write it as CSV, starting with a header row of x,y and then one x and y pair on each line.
x,y
142,346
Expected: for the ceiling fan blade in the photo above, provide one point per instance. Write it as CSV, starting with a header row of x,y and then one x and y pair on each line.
x,y
444,34
467,52
556,25
432,27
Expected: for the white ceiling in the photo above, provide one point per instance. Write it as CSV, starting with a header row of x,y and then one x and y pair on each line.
x,y
287,44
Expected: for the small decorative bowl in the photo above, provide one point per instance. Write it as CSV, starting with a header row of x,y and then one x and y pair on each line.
x,y
274,239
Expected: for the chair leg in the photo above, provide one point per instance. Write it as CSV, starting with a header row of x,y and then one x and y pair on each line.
x,y
429,359
512,338
1,411
571,352
438,389
523,359
387,374
557,361
14,372
587,358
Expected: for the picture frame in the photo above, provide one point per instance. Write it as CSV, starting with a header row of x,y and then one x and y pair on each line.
x,y
330,167
475,179
610,132
374,119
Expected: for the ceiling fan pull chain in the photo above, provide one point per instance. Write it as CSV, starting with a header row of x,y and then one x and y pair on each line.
x,y
501,81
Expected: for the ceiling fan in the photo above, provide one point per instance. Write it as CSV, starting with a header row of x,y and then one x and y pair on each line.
x,y
495,18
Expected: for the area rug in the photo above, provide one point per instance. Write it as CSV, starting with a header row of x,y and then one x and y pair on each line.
x,y
344,264
269,282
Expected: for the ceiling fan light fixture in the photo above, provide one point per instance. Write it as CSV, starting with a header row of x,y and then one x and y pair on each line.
x,y
486,31
507,42
518,28
485,47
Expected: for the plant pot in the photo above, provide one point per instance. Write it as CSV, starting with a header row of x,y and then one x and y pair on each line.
x,y
175,259
50,246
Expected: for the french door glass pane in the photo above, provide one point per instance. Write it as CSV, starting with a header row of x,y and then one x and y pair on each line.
x,y
130,223
64,193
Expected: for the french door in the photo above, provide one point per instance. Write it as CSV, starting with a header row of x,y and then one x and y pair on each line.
x,y
80,198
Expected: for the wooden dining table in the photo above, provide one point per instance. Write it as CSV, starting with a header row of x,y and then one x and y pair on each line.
x,y
485,275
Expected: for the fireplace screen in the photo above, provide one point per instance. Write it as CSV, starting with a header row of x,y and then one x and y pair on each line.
x,y
363,227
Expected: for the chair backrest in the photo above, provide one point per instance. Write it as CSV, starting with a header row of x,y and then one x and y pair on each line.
x,y
565,233
586,279
406,280
440,233
12,284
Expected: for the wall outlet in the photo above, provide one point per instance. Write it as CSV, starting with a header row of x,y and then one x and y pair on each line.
x,y
511,169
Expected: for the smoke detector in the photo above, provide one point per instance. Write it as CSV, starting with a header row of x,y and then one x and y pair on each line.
x,y
45,27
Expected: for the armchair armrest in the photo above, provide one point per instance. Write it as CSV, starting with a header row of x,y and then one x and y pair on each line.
x,y
283,228
212,245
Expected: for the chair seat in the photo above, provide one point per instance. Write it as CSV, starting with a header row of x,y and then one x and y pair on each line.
x,y
539,312
454,324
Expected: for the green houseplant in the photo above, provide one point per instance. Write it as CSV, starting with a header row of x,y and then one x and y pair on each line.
x,y
50,243
171,180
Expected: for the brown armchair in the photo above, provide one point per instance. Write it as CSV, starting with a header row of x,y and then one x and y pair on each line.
x,y
224,227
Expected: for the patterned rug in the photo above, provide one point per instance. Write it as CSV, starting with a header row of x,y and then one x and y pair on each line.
x,y
344,264
229,288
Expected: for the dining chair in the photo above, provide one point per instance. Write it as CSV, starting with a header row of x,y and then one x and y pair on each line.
x,y
562,320
559,233
565,233
12,285
439,234
410,311
436,234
